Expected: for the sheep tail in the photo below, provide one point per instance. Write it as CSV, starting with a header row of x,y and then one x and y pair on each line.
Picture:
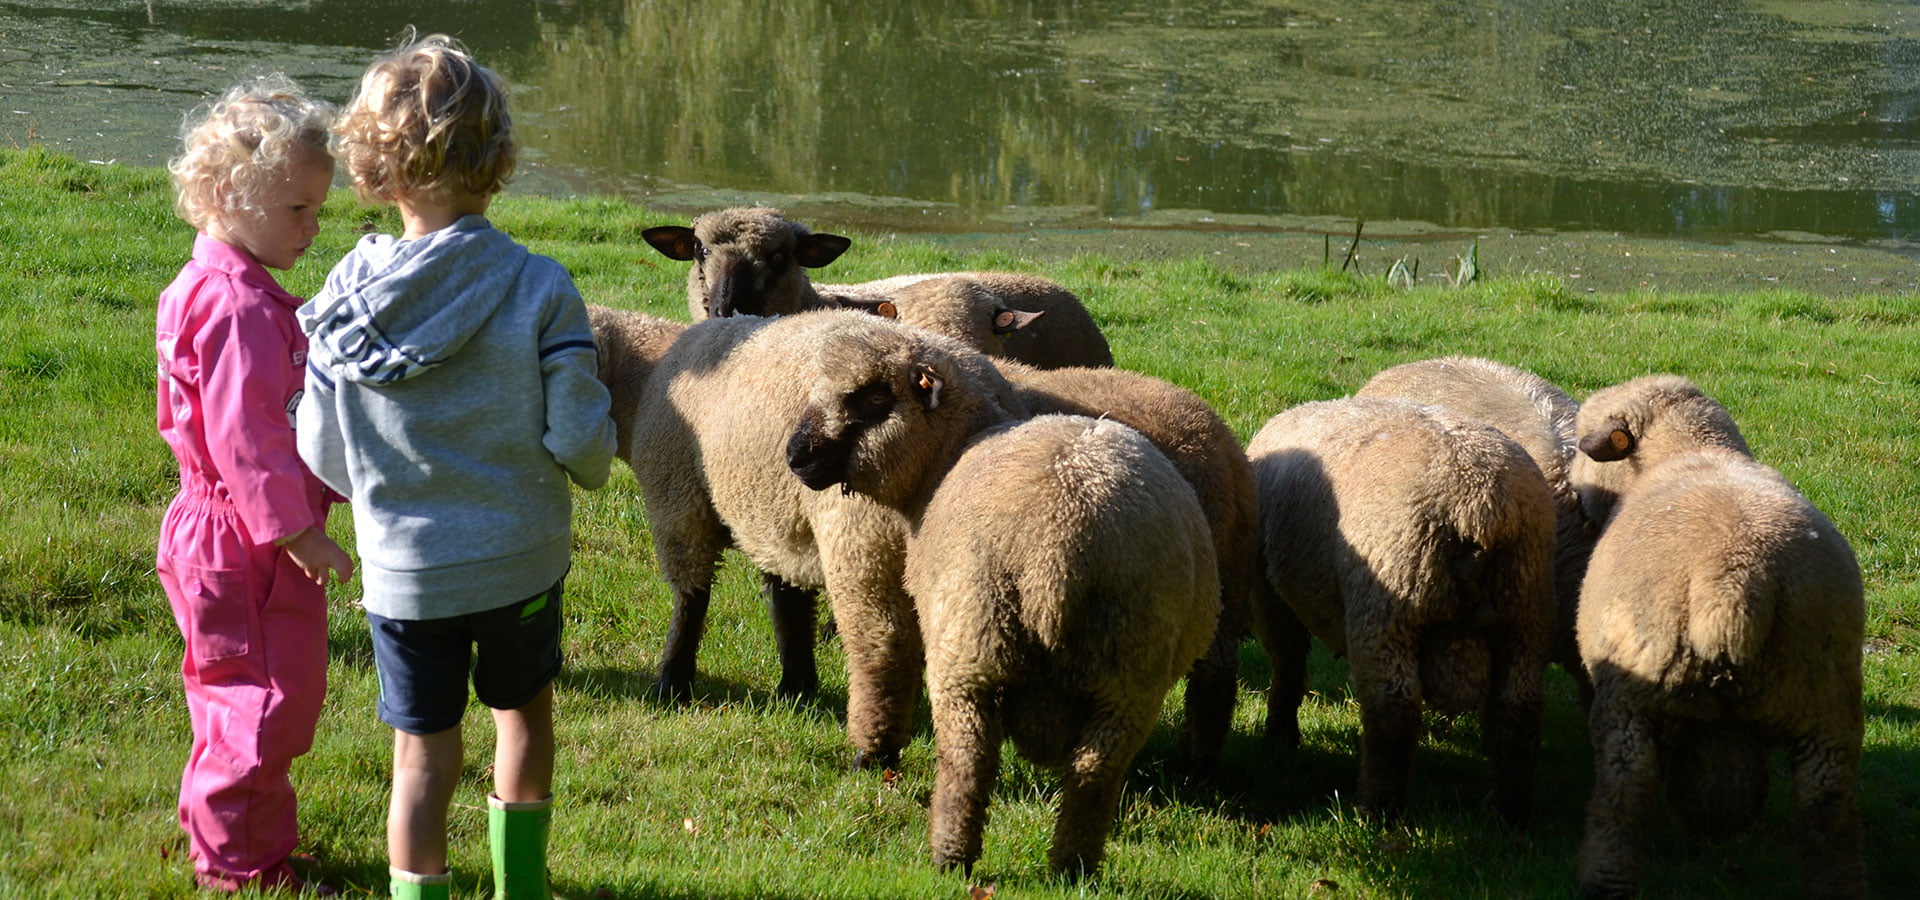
x,y
1729,616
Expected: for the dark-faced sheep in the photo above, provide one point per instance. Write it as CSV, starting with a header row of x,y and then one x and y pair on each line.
x,y
754,261
1538,415
1636,425
1722,616
1207,454
1417,543
1064,576
1003,314
708,445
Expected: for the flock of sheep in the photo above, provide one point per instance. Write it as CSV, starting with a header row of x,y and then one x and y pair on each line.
x,y
1049,544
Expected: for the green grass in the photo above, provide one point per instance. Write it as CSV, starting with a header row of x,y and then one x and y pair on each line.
x,y
744,796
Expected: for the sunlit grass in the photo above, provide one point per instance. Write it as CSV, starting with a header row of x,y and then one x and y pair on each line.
x,y
742,795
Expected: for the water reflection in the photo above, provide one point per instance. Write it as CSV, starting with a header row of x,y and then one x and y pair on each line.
x,y
1661,117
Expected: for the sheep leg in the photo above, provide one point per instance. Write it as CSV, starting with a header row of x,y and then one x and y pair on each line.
x,y
688,539
968,733
884,659
683,644
1090,789
1513,730
1388,688
792,610
1288,644
1212,686
1826,815
1626,770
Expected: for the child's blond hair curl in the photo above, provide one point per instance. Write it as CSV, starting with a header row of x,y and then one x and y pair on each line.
x,y
237,147
427,120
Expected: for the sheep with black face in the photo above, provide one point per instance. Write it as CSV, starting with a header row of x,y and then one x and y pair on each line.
x,y
1721,617
1062,570
1538,415
754,261
1417,543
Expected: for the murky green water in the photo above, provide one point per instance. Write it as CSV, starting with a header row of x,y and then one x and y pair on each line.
x,y
1684,117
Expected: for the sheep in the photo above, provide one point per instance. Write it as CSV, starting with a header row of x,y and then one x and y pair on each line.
x,y
975,309
1539,416
753,261
1059,621
707,447
1722,616
1417,543
631,345
1642,422
1207,454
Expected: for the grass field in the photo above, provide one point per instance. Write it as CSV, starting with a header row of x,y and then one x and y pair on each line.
x,y
743,796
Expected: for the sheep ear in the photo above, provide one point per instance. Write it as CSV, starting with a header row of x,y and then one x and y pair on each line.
x,y
673,241
817,249
926,386
882,308
1007,321
1612,441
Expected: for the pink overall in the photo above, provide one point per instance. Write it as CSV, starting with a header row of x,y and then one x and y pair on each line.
x,y
232,364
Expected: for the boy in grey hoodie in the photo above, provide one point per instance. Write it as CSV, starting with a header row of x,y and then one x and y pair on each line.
x,y
451,394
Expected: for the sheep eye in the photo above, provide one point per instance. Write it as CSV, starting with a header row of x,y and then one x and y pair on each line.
x,y
871,403
701,251
778,260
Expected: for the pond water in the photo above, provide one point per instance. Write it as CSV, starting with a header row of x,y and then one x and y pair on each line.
x,y
1683,118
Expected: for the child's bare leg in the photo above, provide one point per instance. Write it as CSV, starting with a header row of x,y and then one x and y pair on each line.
x,y
426,770
523,750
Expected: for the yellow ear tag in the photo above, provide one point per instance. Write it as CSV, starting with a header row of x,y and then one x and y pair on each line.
x,y
1620,439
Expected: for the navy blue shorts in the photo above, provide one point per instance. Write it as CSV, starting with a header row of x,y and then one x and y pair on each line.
x,y
424,663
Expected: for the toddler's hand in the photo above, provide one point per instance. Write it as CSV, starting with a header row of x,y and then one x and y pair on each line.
x,y
316,554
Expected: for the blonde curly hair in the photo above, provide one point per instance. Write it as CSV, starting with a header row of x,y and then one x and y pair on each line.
x,y
429,121
237,147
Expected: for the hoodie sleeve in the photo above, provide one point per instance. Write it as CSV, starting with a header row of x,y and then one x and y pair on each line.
x,y
579,433
317,425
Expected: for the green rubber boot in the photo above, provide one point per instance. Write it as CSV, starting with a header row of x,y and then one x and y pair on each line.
x,y
518,833
415,886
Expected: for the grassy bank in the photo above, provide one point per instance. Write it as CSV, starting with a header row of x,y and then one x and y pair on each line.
x,y
744,796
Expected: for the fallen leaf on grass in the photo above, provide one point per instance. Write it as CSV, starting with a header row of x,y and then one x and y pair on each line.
x,y
980,891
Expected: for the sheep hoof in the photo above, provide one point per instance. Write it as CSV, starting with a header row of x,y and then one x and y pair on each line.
x,y
949,863
798,688
880,760
1283,737
672,690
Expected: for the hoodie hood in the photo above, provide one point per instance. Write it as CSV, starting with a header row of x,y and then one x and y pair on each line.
x,y
393,309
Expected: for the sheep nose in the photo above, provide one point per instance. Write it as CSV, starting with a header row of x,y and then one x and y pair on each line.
x,y
815,460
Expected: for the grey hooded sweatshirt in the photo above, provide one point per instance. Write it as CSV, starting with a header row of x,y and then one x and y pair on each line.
x,y
451,395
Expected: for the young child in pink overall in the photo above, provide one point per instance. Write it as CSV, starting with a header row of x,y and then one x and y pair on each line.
x,y
243,552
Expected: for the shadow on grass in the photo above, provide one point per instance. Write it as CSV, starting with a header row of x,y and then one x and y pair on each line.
x,y
609,683
1889,792
633,890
